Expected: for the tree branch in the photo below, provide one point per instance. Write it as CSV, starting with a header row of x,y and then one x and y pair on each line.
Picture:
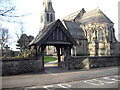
x,y
13,8
3,14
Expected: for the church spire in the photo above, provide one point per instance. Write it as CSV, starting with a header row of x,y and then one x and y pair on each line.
x,y
47,4
48,14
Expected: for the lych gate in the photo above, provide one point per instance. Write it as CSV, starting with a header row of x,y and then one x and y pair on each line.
x,y
54,34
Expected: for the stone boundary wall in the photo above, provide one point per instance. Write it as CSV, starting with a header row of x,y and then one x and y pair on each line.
x,y
20,65
85,62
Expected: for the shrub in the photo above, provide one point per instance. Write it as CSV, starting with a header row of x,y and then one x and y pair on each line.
x,y
28,53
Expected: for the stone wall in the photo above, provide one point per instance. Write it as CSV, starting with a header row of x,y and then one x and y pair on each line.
x,y
20,65
85,62
117,48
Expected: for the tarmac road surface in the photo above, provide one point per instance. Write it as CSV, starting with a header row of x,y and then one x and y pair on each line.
x,y
56,76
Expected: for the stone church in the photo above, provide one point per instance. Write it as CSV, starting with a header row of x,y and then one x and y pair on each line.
x,y
93,31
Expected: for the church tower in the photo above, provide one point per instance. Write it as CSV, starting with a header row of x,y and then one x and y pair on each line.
x,y
48,14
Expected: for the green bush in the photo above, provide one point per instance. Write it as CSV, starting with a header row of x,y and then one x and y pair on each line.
x,y
28,53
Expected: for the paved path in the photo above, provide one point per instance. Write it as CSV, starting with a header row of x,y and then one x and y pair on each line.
x,y
55,76
51,63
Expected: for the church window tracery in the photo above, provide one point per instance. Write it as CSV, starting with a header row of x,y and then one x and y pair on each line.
x,y
100,34
47,16
110,30
51,17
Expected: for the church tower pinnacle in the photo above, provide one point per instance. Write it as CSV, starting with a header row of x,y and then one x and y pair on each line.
x,y
48,14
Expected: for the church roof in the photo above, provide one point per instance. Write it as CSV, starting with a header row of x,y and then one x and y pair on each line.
x,y
95,15
74,29
47,32
74,15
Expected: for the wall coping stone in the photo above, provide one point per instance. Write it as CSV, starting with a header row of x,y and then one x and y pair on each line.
x,y
17,59
95,56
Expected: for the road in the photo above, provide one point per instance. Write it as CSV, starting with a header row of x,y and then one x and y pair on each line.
x,y
54,76
103,82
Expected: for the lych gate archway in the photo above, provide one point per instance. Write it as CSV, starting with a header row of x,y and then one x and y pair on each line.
x,y
56,35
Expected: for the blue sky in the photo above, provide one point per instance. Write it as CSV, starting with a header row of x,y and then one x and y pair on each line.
x,y
62,8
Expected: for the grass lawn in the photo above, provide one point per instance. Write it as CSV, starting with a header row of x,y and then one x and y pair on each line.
x,y
49,58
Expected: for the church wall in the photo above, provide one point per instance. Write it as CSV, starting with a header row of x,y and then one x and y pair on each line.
x,y
103,41
81,48
50,50
117,49
43,19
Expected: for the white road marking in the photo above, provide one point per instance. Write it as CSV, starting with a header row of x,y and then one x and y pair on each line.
x,y
99,81
64,85
48,87
94,82
28,88
115,78
109,80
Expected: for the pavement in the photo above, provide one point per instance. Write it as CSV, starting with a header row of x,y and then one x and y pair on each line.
x,y
54,75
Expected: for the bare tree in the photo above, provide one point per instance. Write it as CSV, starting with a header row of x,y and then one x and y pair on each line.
x,y
18,34
4,37
8,12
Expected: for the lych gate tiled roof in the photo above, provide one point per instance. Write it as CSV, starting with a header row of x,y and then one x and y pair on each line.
x,y
47,31
95,16
74,29
41,34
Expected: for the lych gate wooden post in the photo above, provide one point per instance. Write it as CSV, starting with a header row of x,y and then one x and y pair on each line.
x,y
68,55
42,55
58,53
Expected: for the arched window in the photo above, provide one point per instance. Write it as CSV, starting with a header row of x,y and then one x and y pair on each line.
x,y
47,16
51,17
100,34
110,31
89,34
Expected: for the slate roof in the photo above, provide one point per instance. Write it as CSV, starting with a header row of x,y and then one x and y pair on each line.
x,y
45,33
74,15
95,15
41,34
74,29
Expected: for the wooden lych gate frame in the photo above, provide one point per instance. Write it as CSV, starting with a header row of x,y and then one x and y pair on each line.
x,y
54,34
